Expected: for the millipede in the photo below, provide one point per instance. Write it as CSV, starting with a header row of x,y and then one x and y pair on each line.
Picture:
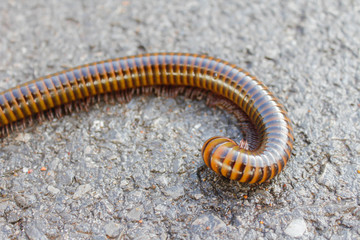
x,y
170,73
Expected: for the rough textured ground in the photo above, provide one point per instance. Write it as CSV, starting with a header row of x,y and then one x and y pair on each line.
x,y
134,171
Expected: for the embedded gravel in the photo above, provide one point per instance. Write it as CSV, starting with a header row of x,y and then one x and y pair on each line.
x,y
134,171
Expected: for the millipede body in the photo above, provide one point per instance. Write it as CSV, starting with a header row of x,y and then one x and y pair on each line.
x,y
221,154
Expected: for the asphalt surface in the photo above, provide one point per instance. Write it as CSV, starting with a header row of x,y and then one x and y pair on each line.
x,y
134,171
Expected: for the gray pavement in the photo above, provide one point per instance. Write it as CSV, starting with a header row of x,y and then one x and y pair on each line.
x,y
134,171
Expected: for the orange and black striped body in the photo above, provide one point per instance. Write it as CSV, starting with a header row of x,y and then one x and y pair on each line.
x,y
222,155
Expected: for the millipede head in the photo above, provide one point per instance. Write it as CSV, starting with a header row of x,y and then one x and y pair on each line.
x,y
230,160
220,154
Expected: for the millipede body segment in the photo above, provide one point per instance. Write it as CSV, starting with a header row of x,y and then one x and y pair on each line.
x,y
221,154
